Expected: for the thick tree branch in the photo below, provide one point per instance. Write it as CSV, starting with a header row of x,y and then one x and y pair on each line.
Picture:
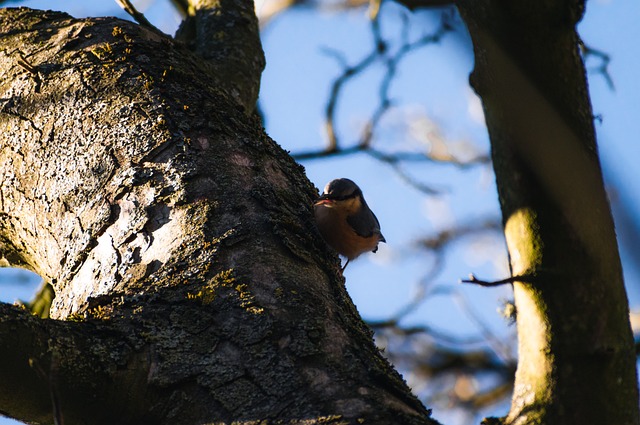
x,y
576,360
225,33
177,235
48,366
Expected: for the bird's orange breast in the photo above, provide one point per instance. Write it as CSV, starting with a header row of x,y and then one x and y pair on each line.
x,y
335,229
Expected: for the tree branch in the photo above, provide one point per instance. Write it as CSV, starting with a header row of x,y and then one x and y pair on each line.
x,y
179,241
573,324
511,279
128,7
48,367
235,53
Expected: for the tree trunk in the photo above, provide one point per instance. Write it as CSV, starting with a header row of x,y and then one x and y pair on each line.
x,y
191,283
576,356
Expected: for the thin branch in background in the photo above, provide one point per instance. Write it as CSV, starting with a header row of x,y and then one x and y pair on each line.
x,y
425,292
499,349
395,161
426,289
422,187
445,365
348,72
603,66
455,233
397,157
429,359
439,369
491,396
394,157
128,7
391,64
380,54
270,9
429,331
385,102
434,367
437,244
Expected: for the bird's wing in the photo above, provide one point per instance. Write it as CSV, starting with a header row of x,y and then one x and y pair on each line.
x,y
365,223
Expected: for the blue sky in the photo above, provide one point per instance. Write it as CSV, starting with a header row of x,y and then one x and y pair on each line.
x,y
432,93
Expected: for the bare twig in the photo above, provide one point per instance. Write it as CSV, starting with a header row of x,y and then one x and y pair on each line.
x,y
26,65
474,280
377,54
336,88
437,245
380,54
603,67
128,7
430,331
395,160
391,64
450,235
393,157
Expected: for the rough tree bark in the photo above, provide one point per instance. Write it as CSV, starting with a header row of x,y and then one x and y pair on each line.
x,y
191,283
576,356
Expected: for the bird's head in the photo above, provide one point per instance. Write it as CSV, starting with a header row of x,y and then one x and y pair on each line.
x,y
341,193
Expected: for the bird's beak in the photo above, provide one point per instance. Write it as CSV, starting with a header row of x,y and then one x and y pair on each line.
x,y
323,200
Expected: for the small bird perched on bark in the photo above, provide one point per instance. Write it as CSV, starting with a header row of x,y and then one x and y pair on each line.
x,y
345,221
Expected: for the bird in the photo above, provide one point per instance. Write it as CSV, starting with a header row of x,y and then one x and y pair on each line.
x,y
345,221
